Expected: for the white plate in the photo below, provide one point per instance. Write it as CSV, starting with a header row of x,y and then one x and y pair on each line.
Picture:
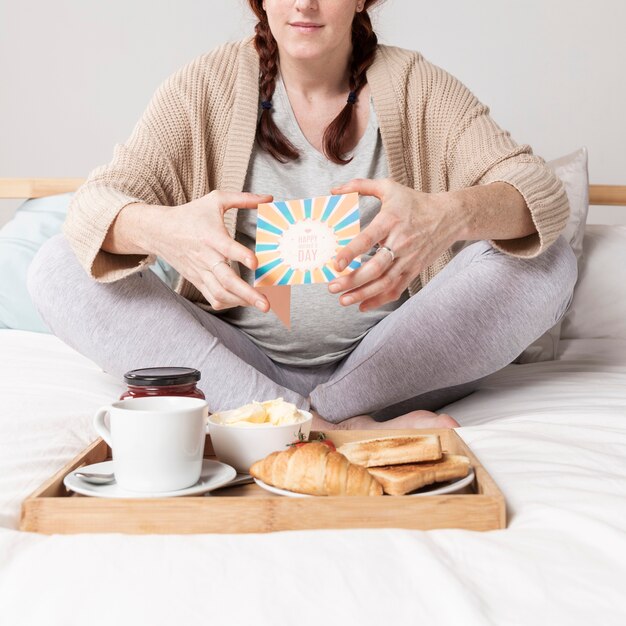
x,y
450,486
214,474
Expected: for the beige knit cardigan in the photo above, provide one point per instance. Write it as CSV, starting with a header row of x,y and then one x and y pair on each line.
x,y
198,129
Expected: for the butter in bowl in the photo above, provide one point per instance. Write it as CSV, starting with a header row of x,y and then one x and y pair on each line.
x,y
244,435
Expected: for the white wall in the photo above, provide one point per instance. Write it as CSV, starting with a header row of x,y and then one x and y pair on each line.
x,y
77,74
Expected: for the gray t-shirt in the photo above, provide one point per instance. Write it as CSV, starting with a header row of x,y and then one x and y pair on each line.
x,y
322,330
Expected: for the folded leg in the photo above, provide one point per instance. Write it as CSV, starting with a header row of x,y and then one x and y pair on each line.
x,y
139,321
472,319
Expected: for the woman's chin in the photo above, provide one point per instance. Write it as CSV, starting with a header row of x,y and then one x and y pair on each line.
x,y
300,48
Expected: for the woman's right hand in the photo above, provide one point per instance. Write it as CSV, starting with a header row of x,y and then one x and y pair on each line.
x,y
193,239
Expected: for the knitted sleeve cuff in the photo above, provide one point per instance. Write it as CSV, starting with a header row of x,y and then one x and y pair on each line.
x,y
545,198
91,213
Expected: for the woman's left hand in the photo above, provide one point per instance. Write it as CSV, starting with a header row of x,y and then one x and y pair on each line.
x,y
418,227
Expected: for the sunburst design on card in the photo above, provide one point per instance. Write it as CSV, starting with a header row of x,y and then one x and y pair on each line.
x,y
297,240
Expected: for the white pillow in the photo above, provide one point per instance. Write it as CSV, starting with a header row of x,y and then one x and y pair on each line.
x,y
572,170
599,306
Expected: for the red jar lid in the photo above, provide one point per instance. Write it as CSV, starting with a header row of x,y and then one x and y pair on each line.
x,y
162,376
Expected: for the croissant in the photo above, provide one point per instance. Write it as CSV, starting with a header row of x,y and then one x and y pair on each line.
x,y
317,470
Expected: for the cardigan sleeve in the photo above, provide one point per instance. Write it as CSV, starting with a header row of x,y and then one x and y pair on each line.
x,y
143,169
479,152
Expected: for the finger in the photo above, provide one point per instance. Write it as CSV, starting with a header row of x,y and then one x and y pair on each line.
x,y
239,288
243,200
390,281
227,245
369,271
376,231
229,248
197,279
217,296
379,300
364,186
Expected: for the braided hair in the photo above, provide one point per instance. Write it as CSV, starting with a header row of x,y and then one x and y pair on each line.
x,y
268,135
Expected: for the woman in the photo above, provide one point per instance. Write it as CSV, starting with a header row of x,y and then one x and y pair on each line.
x,y
464,265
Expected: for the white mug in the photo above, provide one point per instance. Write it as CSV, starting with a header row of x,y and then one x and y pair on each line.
x,y
157,442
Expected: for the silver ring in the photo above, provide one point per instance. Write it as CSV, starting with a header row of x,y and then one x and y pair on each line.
x,y
217,263
393,256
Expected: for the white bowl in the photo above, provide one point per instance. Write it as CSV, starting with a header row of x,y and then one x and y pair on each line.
x,y
241,446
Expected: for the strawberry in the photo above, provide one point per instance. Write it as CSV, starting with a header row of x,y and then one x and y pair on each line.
x,y
321,438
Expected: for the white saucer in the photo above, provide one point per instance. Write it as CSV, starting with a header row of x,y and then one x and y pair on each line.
x,y
214,474
450,486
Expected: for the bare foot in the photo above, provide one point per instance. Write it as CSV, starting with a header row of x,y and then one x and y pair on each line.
x,y
414,419
420,419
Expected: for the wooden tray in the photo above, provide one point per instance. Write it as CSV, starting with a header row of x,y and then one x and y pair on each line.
x,y
249,509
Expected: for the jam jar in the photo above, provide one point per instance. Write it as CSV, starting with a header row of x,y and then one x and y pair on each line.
x,y
162,381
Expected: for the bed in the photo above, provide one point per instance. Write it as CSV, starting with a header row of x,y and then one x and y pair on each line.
x,y
552,434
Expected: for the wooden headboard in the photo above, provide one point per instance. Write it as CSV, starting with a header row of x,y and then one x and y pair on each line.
x,y
16,188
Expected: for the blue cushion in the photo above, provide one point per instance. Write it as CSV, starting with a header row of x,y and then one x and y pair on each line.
x,y
35,221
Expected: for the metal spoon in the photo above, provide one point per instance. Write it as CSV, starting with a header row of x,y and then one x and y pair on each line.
x,y
96,479
103,479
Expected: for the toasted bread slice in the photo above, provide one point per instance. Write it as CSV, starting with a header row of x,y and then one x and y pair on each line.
x,y
400,479
392,450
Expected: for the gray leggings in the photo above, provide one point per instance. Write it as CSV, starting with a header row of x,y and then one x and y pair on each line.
x,y
473,318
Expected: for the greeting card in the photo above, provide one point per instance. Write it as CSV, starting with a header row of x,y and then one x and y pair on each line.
x,y
296,242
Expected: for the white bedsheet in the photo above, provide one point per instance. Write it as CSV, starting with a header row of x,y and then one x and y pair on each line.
x,y
552,434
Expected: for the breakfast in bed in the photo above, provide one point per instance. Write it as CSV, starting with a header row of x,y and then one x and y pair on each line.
x,y
259,467
157,446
